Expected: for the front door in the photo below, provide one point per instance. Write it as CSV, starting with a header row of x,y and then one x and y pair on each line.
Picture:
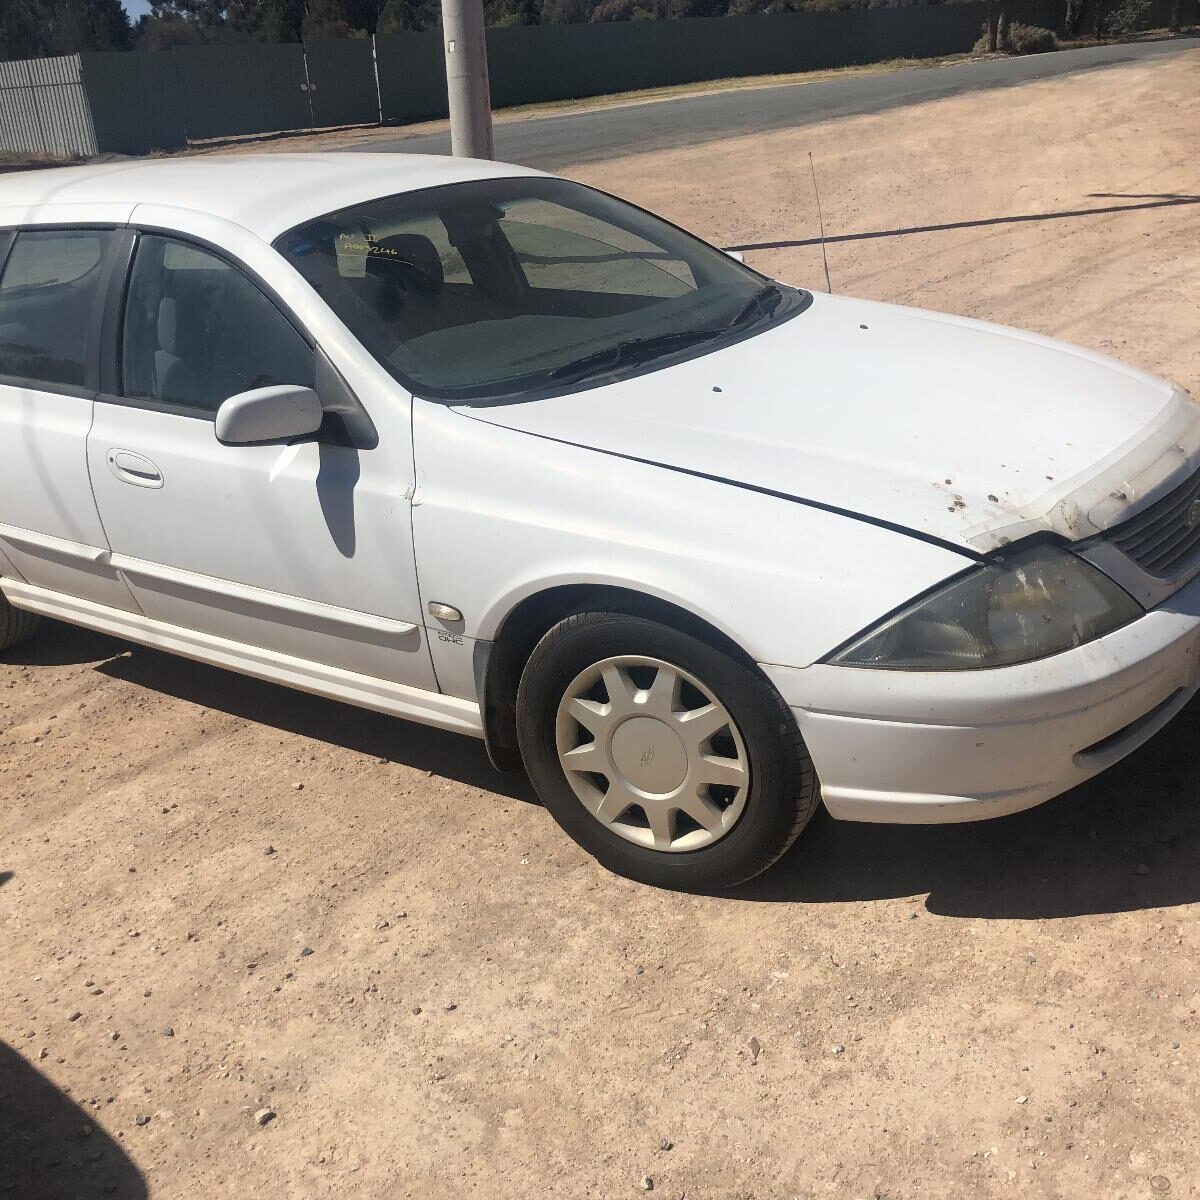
x,y
303,549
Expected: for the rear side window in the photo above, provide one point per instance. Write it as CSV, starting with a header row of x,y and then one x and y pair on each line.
x,y
47,303
197,330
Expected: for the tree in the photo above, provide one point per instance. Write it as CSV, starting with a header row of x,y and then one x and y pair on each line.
x,y
325,19
412,16
36,28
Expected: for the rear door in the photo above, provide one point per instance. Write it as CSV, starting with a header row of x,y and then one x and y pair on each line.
x,y
302,549
52,285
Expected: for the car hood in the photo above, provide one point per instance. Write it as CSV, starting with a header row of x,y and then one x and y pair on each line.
x,y
972,434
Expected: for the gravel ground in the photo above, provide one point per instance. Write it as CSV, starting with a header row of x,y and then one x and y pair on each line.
x,y
262,944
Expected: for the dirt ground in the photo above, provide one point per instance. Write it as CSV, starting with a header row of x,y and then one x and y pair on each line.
x,y
220,897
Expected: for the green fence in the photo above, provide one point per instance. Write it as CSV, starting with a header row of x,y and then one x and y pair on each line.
x,y
142,101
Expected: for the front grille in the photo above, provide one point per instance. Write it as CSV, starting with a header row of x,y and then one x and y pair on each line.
x,y
1164,539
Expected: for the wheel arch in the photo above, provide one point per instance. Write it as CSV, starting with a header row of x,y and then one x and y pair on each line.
x,y
499,661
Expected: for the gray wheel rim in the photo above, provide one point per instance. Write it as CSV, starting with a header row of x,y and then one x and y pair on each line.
x,y
652,753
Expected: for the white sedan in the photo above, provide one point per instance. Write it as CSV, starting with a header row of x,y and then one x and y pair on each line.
x,y
497,452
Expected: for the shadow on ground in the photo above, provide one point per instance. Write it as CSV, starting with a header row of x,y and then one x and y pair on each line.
x,y
1127,840
1157,200
446,754
49,1147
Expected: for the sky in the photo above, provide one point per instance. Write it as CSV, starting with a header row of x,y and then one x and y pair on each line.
x,y
135,8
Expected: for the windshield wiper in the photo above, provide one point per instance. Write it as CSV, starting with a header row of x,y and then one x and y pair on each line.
x,y
625,353
765,301
636,350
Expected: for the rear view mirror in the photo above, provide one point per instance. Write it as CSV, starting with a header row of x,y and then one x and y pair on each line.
x,y
269,414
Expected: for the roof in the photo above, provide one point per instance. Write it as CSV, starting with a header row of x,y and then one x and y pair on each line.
x,y
265,193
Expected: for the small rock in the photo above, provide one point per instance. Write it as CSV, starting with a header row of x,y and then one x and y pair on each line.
x,y
1022,1099
147,992
297,787
305,951
97,991
666,1144
75,1015
1160,1183
416,1012
43,1053
755,1049
647,1184
167,1031
141,1119
451,1006
1142,869
838,1048
269,850
264,1116
89,983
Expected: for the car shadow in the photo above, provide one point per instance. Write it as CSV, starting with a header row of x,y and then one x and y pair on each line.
x,y
49,1146
1128,839
450,755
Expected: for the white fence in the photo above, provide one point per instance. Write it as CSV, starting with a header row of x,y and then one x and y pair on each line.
x,y
43,109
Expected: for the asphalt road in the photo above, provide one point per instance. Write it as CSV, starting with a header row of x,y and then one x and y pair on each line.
x,y
592,134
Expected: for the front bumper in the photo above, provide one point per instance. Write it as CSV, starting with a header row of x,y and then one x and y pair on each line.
x,y
915,747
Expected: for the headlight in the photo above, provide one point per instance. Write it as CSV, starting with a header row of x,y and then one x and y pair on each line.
x,y
1035,603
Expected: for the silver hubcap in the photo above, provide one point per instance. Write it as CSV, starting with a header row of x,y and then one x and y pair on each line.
x,y
652,754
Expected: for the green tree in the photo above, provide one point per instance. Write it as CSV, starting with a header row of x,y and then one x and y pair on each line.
x,y
327,19
412,16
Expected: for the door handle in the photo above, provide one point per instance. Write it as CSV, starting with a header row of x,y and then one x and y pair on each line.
x,y
137,469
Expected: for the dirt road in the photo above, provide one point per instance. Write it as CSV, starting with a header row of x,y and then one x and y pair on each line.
x,y
221,899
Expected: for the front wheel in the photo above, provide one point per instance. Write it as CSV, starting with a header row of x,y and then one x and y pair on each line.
x,y
673,762
16,625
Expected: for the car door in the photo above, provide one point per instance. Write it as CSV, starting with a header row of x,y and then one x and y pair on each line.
x,y
51,289
302,549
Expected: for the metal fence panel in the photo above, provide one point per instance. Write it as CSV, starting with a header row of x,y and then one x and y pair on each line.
x,y
341,80
135,102
43,108
557,62
227,91
412,75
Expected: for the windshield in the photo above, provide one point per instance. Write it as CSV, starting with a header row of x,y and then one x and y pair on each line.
x,y
505,286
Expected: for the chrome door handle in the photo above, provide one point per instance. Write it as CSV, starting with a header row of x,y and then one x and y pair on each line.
x,y
137,469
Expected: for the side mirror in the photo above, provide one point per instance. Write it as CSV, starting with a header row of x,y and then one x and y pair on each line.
x,y
736,255
269,414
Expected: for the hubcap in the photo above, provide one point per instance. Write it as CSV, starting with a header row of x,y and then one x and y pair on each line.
x,y
652,754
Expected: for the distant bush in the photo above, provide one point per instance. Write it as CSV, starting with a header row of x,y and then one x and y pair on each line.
x,y
1030,39
1126,20
1016,38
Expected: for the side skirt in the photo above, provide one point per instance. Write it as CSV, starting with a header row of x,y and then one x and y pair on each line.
x,y
380,695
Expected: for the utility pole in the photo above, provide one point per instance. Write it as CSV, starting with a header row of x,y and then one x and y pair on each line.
x,y
467,79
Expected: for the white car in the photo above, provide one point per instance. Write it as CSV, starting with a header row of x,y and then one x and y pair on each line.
x,y
497,452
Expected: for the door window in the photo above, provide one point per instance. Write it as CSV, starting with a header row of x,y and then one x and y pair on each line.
x,y
198,331
47,305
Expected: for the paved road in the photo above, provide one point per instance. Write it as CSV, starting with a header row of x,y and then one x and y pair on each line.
x,y
553,142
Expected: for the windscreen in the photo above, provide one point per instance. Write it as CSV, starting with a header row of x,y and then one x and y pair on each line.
x,y
514,286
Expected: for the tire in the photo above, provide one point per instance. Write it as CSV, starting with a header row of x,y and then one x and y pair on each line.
x,y
16,625
748,824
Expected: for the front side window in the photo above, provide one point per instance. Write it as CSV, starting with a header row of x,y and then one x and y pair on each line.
x,y
501,287
47,304
198,331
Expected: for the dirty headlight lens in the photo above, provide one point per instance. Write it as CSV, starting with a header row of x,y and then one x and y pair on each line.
x,y
1035,603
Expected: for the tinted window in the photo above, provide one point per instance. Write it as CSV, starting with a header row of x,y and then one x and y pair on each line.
x,y
198,331
47,301
509,286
